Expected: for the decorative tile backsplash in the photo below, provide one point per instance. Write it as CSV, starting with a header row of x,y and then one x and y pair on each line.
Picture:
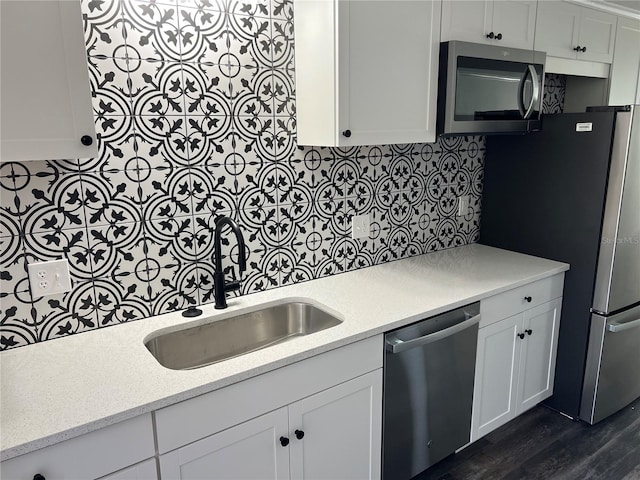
x,y
194,105
554,88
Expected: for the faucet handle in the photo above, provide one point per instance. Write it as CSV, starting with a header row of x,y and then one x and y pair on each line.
x,y
234,284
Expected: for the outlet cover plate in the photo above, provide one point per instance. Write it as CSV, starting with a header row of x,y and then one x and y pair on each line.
x,y
360,226
463,205
49,278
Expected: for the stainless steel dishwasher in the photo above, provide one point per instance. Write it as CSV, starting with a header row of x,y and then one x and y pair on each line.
x,y
429,367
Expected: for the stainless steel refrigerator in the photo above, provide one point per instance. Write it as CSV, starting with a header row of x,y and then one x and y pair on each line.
x,y
571,192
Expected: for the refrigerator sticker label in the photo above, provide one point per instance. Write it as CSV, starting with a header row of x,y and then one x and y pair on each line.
x,y
584,127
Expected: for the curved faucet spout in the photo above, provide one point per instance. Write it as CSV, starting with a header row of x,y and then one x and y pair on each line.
x,y
221,222
219,283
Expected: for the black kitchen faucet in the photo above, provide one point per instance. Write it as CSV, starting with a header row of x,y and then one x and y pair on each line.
x,y
219,284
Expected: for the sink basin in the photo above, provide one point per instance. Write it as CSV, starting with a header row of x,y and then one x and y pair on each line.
x,y
208,343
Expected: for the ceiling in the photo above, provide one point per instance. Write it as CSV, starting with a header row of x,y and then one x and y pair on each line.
x,y
632,6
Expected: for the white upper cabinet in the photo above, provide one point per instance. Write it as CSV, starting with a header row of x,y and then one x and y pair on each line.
x,y
570,31
45,112
625,70
509,23
366,71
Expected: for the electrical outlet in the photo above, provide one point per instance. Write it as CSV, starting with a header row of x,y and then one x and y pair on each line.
x,y
463,205
360,226
49,278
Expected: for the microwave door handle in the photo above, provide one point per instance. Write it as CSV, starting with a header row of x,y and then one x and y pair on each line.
x,y
536,90
521,94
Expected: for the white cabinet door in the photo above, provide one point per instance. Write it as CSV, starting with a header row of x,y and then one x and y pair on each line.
x,y
394,102
512,22
625,70
342,431
366,71
467,20
515,21
498,357
146,470
597,35
538,354
251,450
46,103
563,28
557,28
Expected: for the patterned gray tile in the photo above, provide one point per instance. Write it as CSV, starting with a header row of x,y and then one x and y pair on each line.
x,y
13,265
202,33
66,314
17,321
120,299
248,40
104,28
157,88
110,91
151,29
209,138
253,8
164,139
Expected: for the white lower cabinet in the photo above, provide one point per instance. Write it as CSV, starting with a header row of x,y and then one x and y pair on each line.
x,y
496,377
538,354
342,429
333,434
250,450
515,363
115,452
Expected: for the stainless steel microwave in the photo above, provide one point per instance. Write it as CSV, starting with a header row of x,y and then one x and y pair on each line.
x,y
486,89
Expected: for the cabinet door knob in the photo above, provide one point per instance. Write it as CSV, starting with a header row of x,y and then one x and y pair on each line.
x,y
86,140
578,49
37,476
299,434
583,49
347,133
284,441
528,299
529,331
490,35
521,335
499,36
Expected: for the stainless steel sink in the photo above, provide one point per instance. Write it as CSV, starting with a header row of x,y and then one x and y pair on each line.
x,y
213,342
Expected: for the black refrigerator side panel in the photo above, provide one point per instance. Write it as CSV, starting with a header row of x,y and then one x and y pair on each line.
x,y
543,195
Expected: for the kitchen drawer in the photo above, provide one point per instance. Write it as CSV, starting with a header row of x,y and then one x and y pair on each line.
x,y
515,301
199,417
146,470
88,456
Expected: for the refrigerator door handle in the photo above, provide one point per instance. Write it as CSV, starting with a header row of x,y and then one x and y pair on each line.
x,y
616,327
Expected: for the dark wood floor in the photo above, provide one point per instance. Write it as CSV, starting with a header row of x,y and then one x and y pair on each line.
x,y
542,444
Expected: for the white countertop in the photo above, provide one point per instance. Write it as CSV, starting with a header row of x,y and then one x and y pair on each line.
x,y
59,389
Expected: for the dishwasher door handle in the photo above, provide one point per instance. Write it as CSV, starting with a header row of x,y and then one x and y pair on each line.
x,y
395,345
